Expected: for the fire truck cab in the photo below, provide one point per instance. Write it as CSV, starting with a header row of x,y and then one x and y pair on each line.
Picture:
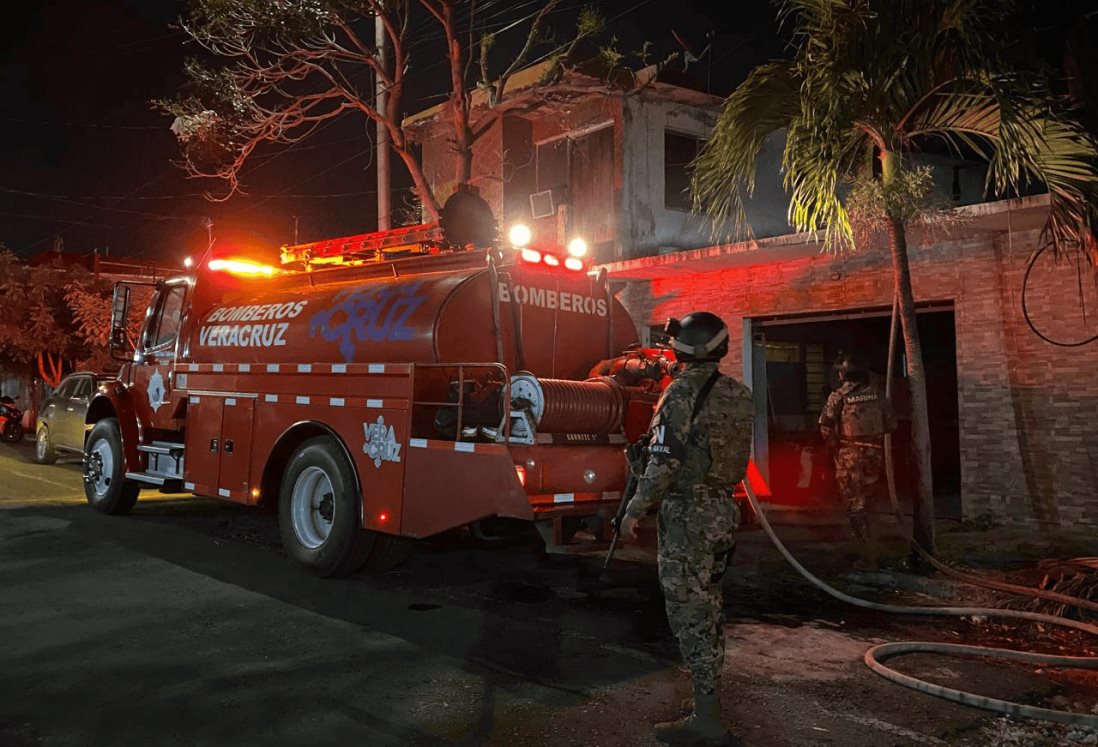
x,y
378,388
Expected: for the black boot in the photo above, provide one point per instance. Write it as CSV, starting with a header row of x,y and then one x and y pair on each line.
x,y
703,728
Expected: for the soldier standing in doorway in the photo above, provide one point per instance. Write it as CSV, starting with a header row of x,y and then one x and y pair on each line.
x,y
853,423
699,444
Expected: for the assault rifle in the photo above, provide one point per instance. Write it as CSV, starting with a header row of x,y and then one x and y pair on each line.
x,y
636,454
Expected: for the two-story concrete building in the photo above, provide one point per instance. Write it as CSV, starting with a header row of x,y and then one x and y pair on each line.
x,y
1012,424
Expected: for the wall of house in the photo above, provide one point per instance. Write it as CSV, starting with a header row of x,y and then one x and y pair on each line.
x,y
489,168
505,170
645,225
1028,434
588,205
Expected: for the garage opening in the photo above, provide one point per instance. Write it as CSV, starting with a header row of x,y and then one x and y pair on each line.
x,y
793,385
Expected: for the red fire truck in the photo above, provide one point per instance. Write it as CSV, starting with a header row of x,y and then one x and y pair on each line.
x,y
377,388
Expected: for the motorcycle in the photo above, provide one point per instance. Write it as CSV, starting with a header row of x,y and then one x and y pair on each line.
x,y
11,421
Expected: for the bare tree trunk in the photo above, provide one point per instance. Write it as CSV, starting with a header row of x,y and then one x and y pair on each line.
x,y
421,186
923,506
460,102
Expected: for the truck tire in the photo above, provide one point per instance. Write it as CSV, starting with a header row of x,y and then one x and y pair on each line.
x,y
105,485
44,453
319,511
388,551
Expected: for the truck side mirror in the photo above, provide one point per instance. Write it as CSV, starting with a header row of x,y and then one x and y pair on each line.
x,y
120,344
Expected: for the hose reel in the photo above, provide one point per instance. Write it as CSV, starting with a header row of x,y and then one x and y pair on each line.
x,y
596,406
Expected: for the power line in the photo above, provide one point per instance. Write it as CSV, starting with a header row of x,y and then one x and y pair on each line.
x,y
81,203
98,209
82,125
47,218
50,196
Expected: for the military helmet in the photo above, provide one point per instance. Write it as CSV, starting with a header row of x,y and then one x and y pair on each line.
x,y
851,366
700,336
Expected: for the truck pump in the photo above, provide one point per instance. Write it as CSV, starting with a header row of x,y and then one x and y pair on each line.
x,y
377,388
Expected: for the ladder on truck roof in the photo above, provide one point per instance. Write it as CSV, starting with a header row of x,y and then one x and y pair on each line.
x,y
425,238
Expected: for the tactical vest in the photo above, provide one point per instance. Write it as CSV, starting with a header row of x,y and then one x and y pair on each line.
x,y
863,412
703,464
724,412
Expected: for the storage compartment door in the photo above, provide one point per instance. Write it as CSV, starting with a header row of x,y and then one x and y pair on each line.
x,y
202,462
236,449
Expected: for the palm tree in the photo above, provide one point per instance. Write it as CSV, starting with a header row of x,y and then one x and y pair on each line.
x,y
890,79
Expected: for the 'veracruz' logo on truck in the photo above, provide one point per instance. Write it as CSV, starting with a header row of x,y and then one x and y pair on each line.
x,y
375,314
381,442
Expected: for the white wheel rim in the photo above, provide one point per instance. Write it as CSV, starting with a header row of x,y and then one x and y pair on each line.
x,y
43,445
312,507
102,467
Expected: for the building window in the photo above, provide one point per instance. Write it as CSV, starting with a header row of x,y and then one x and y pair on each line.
x,y
552,165
678,152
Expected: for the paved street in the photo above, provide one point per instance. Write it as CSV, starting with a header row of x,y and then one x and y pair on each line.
x,y
183,624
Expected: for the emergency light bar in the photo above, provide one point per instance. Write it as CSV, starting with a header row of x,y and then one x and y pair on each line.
x,y
241,267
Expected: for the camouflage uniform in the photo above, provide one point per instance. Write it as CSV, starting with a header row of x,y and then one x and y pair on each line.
x,y
854,422
693,470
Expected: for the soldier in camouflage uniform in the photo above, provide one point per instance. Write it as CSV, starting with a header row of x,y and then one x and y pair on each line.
x,y
853,423
700,441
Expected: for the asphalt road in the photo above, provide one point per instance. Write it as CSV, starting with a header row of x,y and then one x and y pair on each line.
x,y
183,624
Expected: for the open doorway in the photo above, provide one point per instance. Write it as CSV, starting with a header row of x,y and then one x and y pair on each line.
x,y
799,352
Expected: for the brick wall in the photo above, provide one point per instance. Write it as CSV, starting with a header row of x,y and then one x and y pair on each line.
x,y
1028,410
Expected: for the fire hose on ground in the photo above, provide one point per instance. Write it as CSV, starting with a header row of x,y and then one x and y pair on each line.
x,y
877,655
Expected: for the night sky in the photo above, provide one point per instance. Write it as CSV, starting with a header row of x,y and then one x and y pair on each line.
x,y
84,156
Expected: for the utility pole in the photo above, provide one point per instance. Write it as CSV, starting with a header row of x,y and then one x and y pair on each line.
x,y
384,209
295,230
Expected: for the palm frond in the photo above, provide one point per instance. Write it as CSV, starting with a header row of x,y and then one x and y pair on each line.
x,y
899,77
1036,145
816,162
1018,132
723,174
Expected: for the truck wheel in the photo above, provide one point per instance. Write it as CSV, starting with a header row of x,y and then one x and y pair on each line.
x,y
43,449
319,511
105,484
388,552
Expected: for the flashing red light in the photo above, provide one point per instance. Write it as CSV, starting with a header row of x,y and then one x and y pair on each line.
x,y
521,472
531,255
551,260
574,263
241,267
383,518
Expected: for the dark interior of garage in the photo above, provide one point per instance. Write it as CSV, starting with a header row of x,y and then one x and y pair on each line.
x,y
799,370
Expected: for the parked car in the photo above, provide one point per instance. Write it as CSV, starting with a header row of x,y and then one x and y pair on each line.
x,y
61,419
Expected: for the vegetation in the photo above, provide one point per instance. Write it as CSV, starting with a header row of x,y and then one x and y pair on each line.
x,y
54,318
277,72
869,85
